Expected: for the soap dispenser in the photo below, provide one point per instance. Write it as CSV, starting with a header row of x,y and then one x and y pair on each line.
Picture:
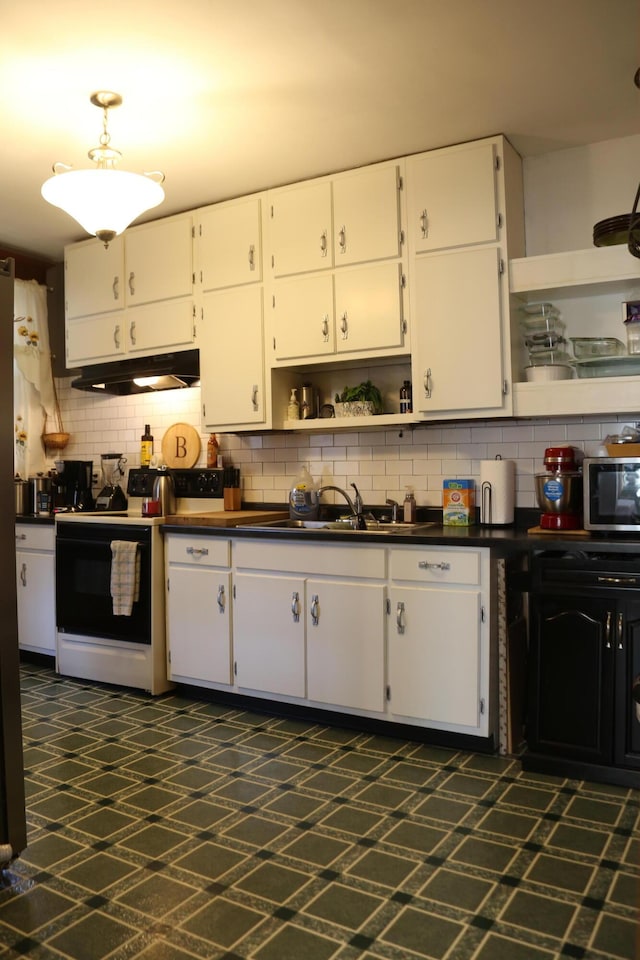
x,y
293,409
409,507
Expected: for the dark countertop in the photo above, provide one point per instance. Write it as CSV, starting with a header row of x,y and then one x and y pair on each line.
x,y
502,541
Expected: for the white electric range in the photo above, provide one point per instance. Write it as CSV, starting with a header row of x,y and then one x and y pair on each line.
x,y
92,642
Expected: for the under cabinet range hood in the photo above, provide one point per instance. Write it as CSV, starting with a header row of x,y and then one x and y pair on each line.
x,y
168,371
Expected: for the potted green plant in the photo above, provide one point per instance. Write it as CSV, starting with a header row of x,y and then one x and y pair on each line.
x,y
364,400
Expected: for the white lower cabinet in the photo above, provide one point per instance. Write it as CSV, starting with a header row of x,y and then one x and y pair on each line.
x,y
198,609
269,631
399,633
438,641
36,591
309,621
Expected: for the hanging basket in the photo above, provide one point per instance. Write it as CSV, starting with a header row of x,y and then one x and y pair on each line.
x,y
55,441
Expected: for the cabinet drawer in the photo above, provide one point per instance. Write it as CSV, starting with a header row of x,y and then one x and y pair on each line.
x,y
435,566
30,536
321,559
203,551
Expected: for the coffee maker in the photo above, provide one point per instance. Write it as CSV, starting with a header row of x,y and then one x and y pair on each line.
x,y
72,486
112,496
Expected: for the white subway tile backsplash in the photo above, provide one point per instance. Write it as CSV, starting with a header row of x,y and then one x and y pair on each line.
x,y
382,461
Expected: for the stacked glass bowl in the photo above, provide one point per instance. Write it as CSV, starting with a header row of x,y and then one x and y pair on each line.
x,y
543,332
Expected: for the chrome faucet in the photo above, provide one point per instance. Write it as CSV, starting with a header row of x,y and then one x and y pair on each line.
x,y
395,506
355,507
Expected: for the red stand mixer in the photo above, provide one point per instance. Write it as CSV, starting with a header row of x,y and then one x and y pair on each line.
x,y
559,490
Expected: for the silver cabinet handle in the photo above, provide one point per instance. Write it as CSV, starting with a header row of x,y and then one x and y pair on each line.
x,y
324,247
325,328
132,288
426,565
132,333
115,286
116,336
295,607
315,610
23,575
221,601
342,239
254,396
620,632
424,224
252,257
400,617
427,383
198,551
607,631
344,326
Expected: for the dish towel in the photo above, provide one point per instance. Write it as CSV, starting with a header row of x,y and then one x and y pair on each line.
x,y
125,576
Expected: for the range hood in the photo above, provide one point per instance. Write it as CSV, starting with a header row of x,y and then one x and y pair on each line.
x,y
168,371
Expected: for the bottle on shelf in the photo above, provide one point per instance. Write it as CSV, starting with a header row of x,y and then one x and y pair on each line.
x,y
406,405
213,451
293,407
146,446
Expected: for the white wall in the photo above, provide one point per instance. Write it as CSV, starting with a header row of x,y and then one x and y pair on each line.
x,y
566,192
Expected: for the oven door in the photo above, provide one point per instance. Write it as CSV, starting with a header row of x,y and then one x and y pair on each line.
x,y
84,604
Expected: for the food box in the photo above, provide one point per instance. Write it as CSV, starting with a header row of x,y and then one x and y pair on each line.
x,y
458,503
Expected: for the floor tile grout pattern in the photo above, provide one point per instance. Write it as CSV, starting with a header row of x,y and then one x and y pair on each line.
x,y
176,828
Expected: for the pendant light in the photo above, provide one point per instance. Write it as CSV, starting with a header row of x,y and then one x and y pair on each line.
x,y
103,200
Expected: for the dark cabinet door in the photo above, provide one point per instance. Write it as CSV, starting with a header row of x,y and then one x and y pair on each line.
x,y
627,687
571,678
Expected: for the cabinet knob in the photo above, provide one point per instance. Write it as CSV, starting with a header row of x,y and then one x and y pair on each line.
x,y
23,574
400,617
426,565
324,247
427,384
315,610
342,239
252,257
115,286
344,326
325,328
424,225
221,600
295,607
132,288
198,551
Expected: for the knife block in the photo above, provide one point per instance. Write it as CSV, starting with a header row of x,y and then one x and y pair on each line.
x,y
232,498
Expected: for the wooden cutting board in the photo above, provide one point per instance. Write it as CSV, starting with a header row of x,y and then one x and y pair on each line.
x,y
181,446
226,518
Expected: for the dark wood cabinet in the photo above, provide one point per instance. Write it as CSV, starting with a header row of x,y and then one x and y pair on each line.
x,y
584,665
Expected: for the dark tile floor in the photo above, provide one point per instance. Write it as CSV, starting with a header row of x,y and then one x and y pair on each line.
x,y
175,828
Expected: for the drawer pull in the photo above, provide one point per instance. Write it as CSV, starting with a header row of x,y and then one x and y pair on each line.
x,y
426,565
198,551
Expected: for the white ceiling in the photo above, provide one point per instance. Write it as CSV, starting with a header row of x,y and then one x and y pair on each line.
x,y
230,97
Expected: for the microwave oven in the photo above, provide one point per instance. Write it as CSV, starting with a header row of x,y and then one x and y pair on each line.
x,y
611,491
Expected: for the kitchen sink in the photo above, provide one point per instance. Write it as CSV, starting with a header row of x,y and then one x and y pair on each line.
x,y
340,526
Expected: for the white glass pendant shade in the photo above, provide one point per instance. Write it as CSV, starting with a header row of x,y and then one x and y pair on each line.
x,y
103,201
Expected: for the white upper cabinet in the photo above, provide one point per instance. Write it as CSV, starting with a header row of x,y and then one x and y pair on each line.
x,y
94,278
135,297
369,308
232,358
451,197
366,215
301,228
458,351
159,260
229,244
303,317
350,218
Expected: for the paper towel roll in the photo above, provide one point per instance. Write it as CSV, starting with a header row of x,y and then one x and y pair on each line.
x,y
497,491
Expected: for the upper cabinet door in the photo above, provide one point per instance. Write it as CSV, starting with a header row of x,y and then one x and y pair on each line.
x,y
458,357
303,313
301,228
369,313
159,261
94,278
366,215
452,198
229,244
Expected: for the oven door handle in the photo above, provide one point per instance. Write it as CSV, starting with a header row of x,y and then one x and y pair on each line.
x,y
79,542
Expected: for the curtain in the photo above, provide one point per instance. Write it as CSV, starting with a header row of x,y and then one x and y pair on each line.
x,y
34,395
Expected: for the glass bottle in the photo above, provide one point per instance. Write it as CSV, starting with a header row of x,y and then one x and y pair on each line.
x,y
293,408
406,405
213,448
146,446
